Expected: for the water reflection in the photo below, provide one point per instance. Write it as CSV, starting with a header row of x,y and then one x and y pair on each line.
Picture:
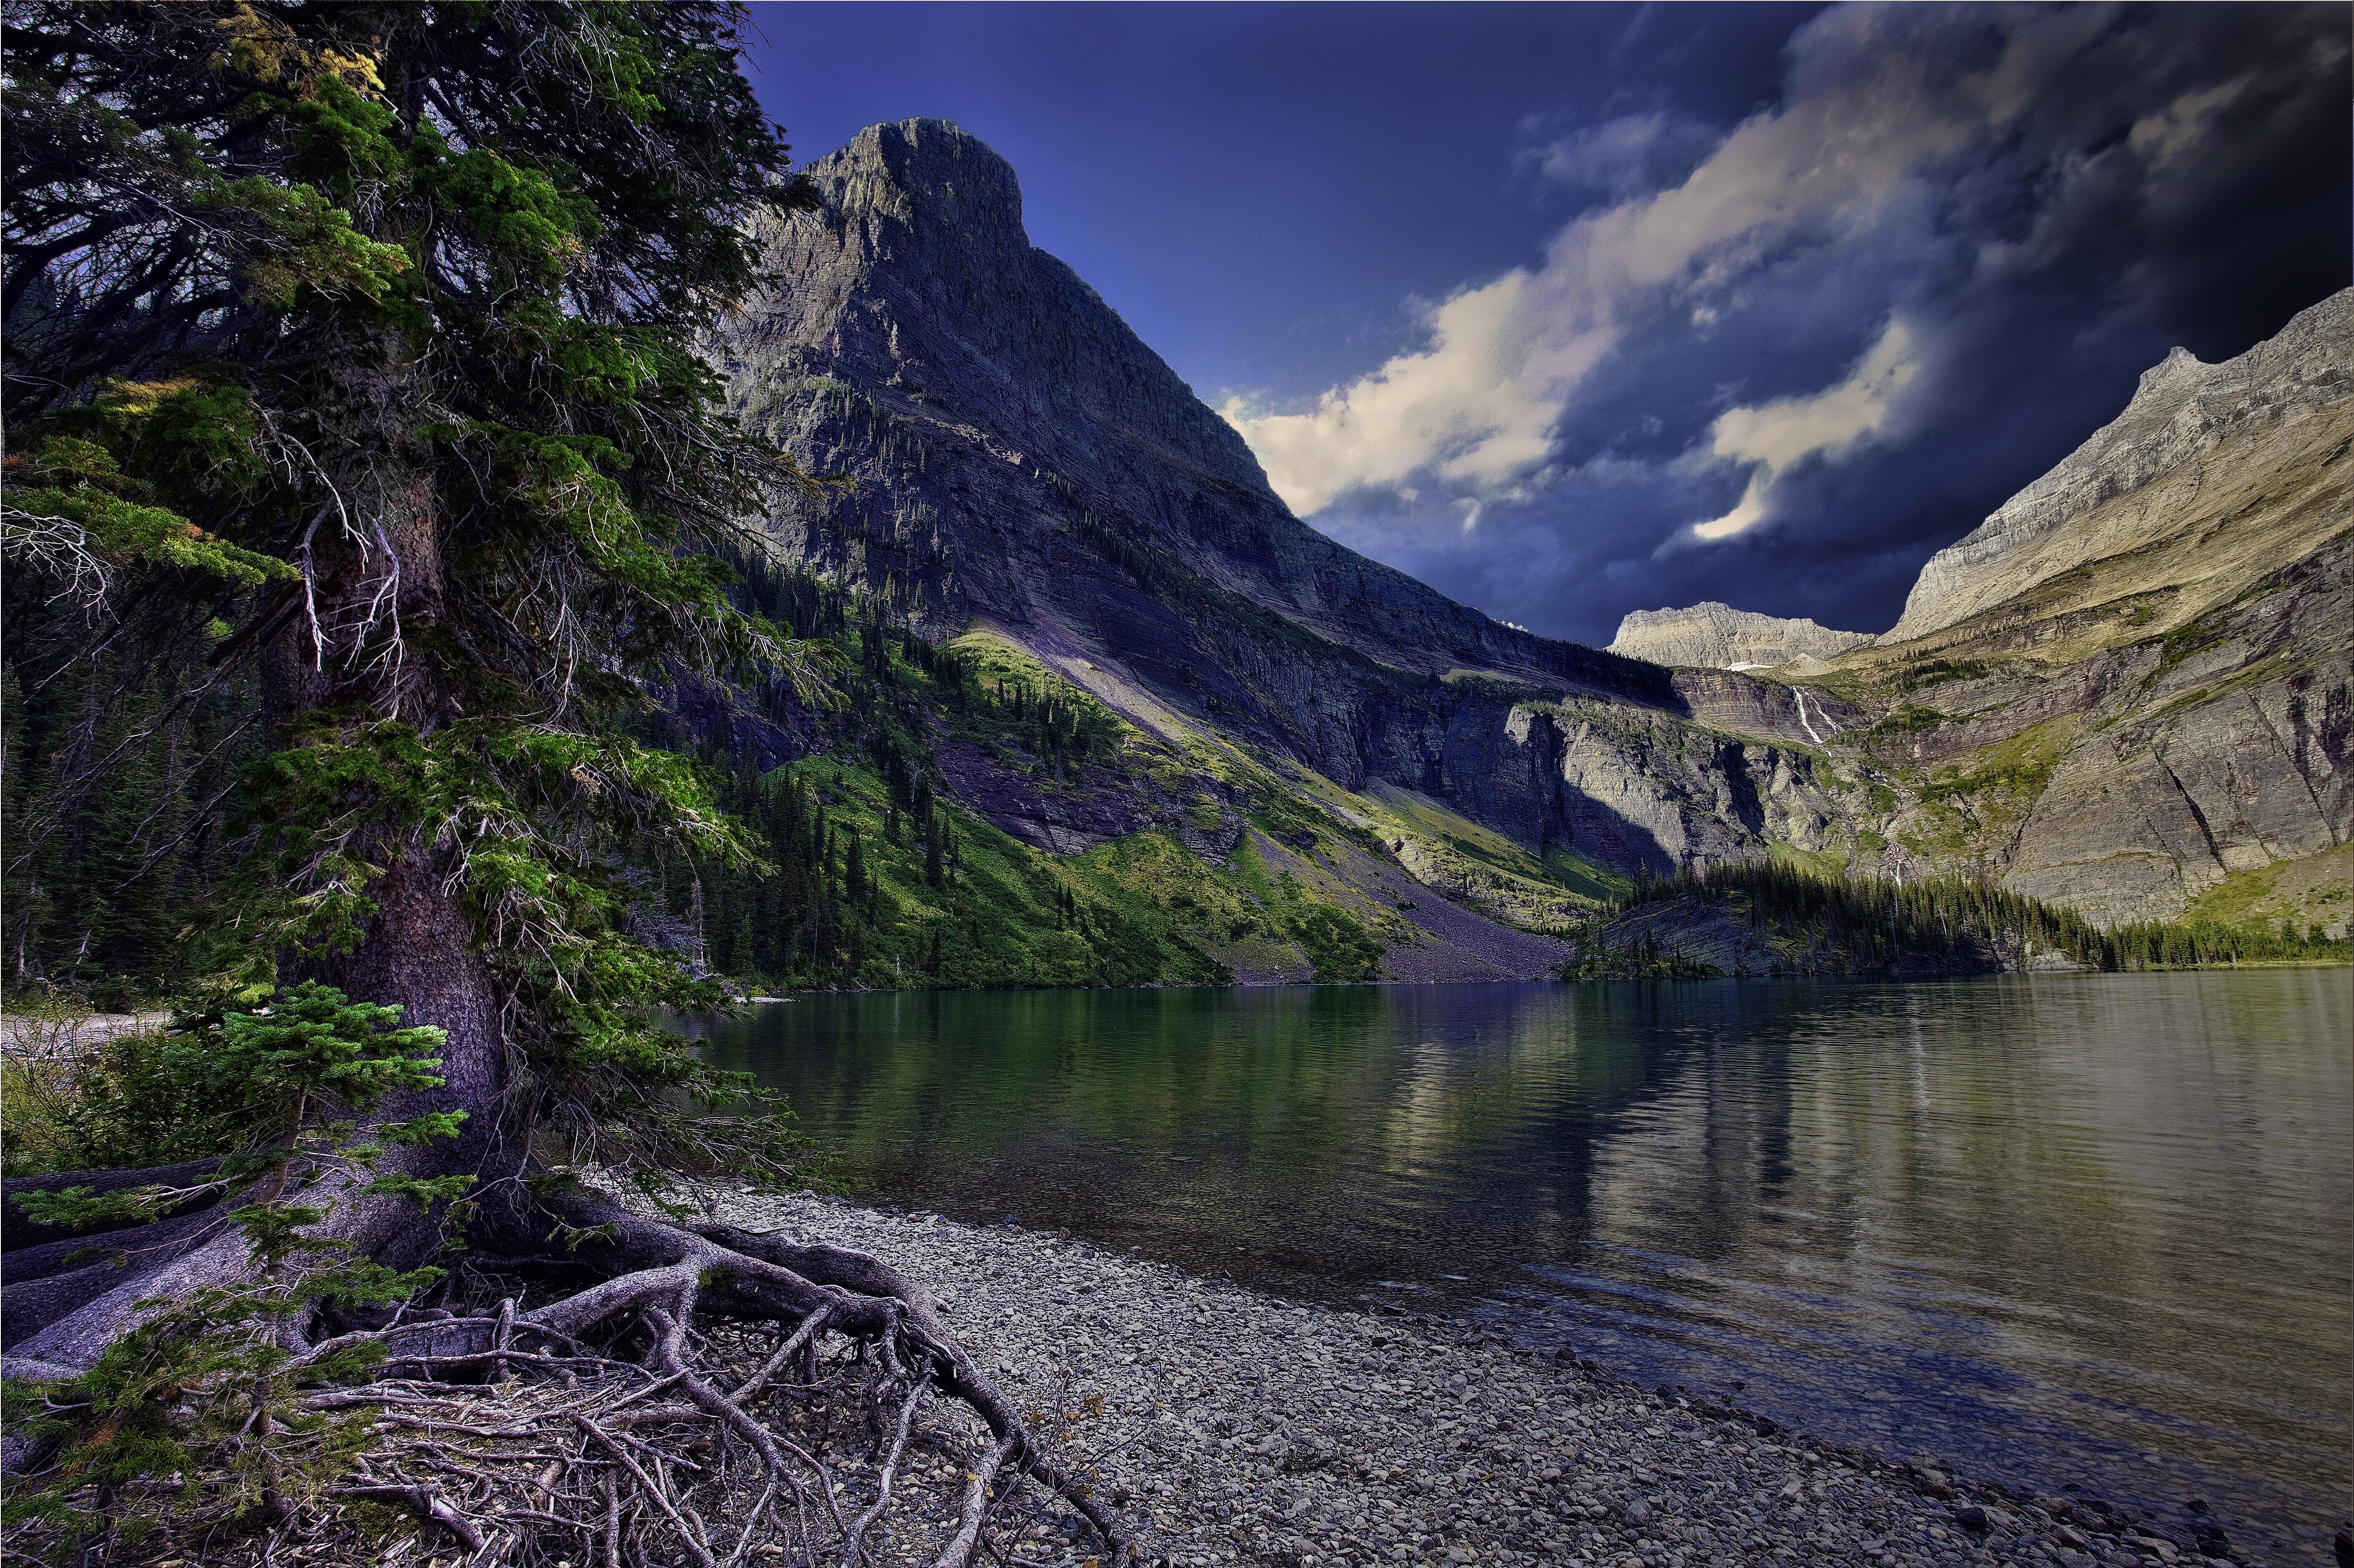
x,y
2080,1228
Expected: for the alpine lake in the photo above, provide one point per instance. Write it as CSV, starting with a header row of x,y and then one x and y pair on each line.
x,y
2091,1233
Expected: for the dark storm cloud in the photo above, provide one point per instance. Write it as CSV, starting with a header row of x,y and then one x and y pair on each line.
x,y
1780,370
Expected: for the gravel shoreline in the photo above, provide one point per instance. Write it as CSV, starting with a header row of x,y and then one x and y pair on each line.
x,y
1231,1427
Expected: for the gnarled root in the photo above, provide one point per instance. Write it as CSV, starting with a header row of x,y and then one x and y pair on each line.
x,y
710,1395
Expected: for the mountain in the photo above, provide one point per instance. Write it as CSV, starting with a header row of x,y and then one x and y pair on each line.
x,y
1033,485
2131,690
918,293
1036,533
2130,486
1717,636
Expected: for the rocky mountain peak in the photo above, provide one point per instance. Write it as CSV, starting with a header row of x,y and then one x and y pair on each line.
x,y
930,170
2179,368
1036,445
2181,410
1717,636
928,190
918,283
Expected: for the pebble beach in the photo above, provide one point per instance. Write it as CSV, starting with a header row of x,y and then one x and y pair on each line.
x,y
1229,1426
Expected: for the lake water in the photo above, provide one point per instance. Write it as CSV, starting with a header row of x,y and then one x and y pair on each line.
x,y
2086,1230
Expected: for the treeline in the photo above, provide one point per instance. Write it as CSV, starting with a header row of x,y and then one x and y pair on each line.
x,y
895,666
872,877
120,746
879,881
1064,733
1644,958
822,906
875,880
1950,918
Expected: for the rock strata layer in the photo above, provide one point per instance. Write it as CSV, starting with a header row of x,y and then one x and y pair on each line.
x,y
1717,636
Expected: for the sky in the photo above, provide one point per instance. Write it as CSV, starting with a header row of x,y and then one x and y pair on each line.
x,y
1571,310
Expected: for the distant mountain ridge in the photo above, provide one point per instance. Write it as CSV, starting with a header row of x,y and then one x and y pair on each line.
x,y
1716,636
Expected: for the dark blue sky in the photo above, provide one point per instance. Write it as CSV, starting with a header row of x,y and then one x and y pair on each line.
x,y
1578,310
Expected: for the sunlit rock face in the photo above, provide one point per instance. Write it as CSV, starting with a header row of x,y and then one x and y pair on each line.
x,y
1710,635
2180,414
2139,668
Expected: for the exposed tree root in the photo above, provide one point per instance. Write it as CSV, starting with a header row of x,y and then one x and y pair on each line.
x,y
708,1396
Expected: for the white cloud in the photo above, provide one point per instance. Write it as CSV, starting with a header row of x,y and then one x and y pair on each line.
x,y
1625,157
1873,100
1774,436
2165,135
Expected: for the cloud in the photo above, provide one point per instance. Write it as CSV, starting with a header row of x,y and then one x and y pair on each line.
x,y
1778,435
1886,109
1719,379
1632,155
1477,406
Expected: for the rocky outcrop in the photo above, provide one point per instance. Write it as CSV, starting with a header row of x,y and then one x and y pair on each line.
x,y
1718,637
2233,754
2180,414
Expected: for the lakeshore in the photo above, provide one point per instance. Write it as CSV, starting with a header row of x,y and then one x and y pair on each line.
x,y
1230,1426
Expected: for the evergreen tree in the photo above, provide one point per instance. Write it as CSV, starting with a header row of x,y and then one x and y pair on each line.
x,y
348,354
378,318
365,331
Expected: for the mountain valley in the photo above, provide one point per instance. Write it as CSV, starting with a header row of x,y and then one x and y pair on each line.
x,y
2130,693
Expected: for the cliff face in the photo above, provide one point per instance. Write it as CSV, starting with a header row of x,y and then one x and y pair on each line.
x,y
1717,636
2132,690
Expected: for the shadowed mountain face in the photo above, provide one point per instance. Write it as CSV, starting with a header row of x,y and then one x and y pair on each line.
x,y
1067,446
1027,473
